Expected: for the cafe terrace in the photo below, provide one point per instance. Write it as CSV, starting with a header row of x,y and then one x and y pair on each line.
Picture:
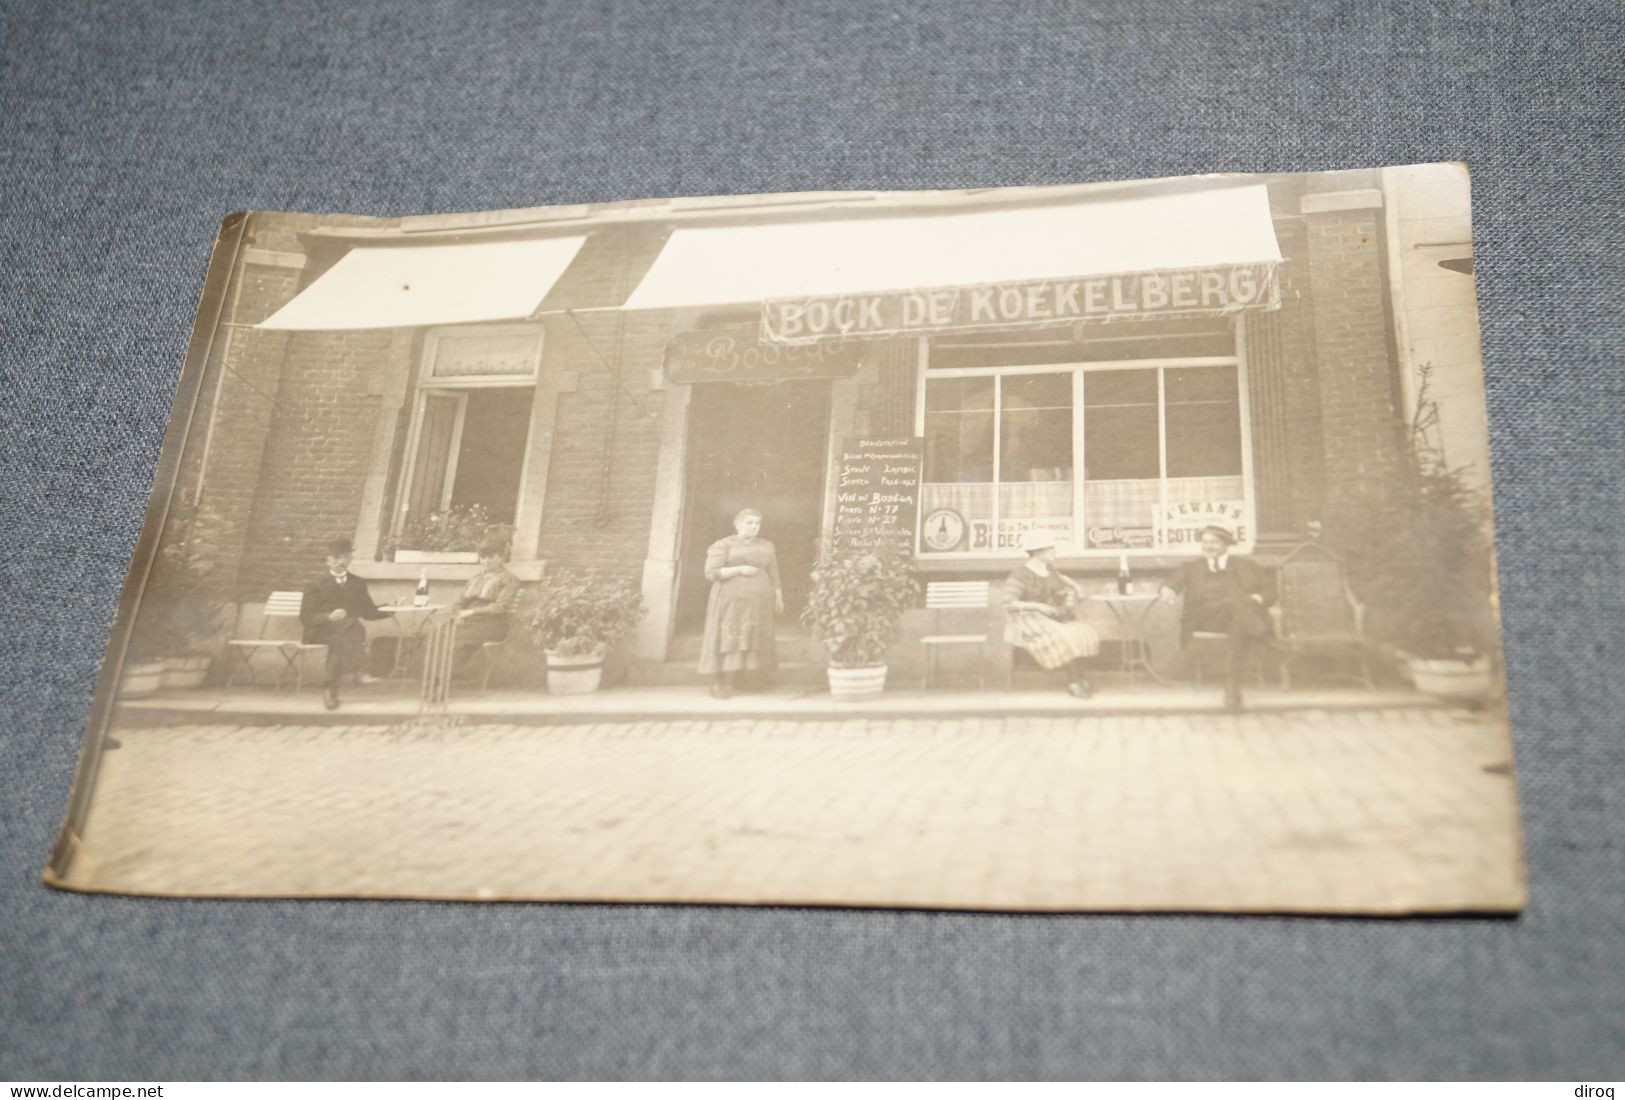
x,y
1118,365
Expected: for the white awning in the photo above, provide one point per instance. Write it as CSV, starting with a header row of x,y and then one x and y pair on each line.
x,y
736,265
416,285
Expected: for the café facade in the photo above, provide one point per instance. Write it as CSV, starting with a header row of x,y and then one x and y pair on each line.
x,y
1118,365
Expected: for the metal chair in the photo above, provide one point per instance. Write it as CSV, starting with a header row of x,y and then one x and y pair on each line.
x,y
280,605
955,596
1319,614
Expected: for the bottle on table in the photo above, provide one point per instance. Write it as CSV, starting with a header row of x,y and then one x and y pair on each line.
x,y
421,597
1125,580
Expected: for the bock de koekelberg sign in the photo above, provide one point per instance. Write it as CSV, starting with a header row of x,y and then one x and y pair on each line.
x,y
1187,292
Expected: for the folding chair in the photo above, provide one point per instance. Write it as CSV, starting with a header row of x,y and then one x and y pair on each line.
x,y
955,596
280,605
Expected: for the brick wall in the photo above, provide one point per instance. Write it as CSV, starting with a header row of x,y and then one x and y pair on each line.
x,y
316,455
606,440
606,436
1359,424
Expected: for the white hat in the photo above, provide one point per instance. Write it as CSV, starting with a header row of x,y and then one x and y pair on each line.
x,y
1035,540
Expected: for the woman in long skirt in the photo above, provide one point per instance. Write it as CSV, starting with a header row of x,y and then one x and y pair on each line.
x,y
745,598
1040,610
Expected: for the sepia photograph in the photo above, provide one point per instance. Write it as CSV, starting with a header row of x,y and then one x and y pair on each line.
x,y
1112,546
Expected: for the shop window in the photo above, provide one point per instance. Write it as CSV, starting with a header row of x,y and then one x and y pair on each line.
x,y
1161,444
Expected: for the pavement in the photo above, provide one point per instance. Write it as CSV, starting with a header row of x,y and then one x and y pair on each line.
x,y
391,702
1370,810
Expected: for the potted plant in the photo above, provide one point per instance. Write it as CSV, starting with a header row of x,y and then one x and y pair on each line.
x,y
451,537
181,616
575,617
861,585
1425,567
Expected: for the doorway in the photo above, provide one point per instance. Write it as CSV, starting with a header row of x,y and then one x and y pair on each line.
x,y
762,447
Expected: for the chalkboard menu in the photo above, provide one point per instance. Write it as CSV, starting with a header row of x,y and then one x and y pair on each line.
x,y
877,490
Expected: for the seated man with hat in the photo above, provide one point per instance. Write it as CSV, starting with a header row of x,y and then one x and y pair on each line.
x,y
333,607
1224,595
1040,614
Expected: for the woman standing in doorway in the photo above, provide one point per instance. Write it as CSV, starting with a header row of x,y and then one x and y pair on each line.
x,y
745,598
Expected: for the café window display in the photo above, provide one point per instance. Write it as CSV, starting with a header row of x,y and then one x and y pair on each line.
x,y
1159,440
466,447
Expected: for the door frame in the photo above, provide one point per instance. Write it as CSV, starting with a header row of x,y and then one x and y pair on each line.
x,y
662,566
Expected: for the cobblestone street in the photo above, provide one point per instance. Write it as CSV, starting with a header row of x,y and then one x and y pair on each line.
x,y
1375,811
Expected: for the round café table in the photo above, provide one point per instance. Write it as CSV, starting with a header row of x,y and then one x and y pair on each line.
x,y
410,621
1130,611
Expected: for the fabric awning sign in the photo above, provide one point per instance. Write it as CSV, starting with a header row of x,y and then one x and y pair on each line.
x,y
408,286
1178,255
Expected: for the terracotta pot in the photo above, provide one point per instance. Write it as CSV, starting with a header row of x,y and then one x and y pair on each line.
x,y
574,675
184,672
140,678
1468,681
856,685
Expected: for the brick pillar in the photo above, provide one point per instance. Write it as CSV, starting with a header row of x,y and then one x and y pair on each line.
x,y
1360,426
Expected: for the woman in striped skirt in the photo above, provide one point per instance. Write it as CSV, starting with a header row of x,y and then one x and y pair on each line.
x,y
1040,609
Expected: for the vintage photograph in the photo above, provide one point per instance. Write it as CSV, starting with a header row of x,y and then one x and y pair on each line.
x,y
1118,546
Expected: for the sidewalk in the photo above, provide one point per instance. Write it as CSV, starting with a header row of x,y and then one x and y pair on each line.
x,y
386,704
1375,811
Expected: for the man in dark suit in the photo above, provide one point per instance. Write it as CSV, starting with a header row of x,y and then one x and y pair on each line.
x,y
1225,595
332,610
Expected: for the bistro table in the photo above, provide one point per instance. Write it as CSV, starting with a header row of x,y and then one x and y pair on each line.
x,y
410,621
1130,610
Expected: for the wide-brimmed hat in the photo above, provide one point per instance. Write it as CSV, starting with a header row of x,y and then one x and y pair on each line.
x,y
1224,533
1036,540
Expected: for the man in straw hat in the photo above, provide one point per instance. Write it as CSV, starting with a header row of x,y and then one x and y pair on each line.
x,y
1040,614
1225,596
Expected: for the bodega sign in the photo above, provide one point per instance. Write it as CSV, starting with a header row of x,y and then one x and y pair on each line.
x,y
1145,294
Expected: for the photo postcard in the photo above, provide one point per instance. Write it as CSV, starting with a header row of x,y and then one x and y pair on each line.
x,y
1118,546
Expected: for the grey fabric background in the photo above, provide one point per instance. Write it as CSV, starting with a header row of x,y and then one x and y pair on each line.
x,y
126,131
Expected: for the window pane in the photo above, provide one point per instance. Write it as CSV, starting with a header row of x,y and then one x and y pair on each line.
x,y
1204,453
1122,457
1120,425
956,499
959,429
1204,422
1035,457
496,424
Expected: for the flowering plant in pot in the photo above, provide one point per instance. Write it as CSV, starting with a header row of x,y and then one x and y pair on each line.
x,y
861,585
449,537
1424,564
575,616
181,614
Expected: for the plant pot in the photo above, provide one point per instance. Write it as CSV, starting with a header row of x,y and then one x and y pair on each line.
x,y
184,672
1452,678
436,557
857,685
140,678
574,675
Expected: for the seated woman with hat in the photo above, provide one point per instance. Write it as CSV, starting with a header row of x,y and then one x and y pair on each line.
x,y
1225,596
1040,614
